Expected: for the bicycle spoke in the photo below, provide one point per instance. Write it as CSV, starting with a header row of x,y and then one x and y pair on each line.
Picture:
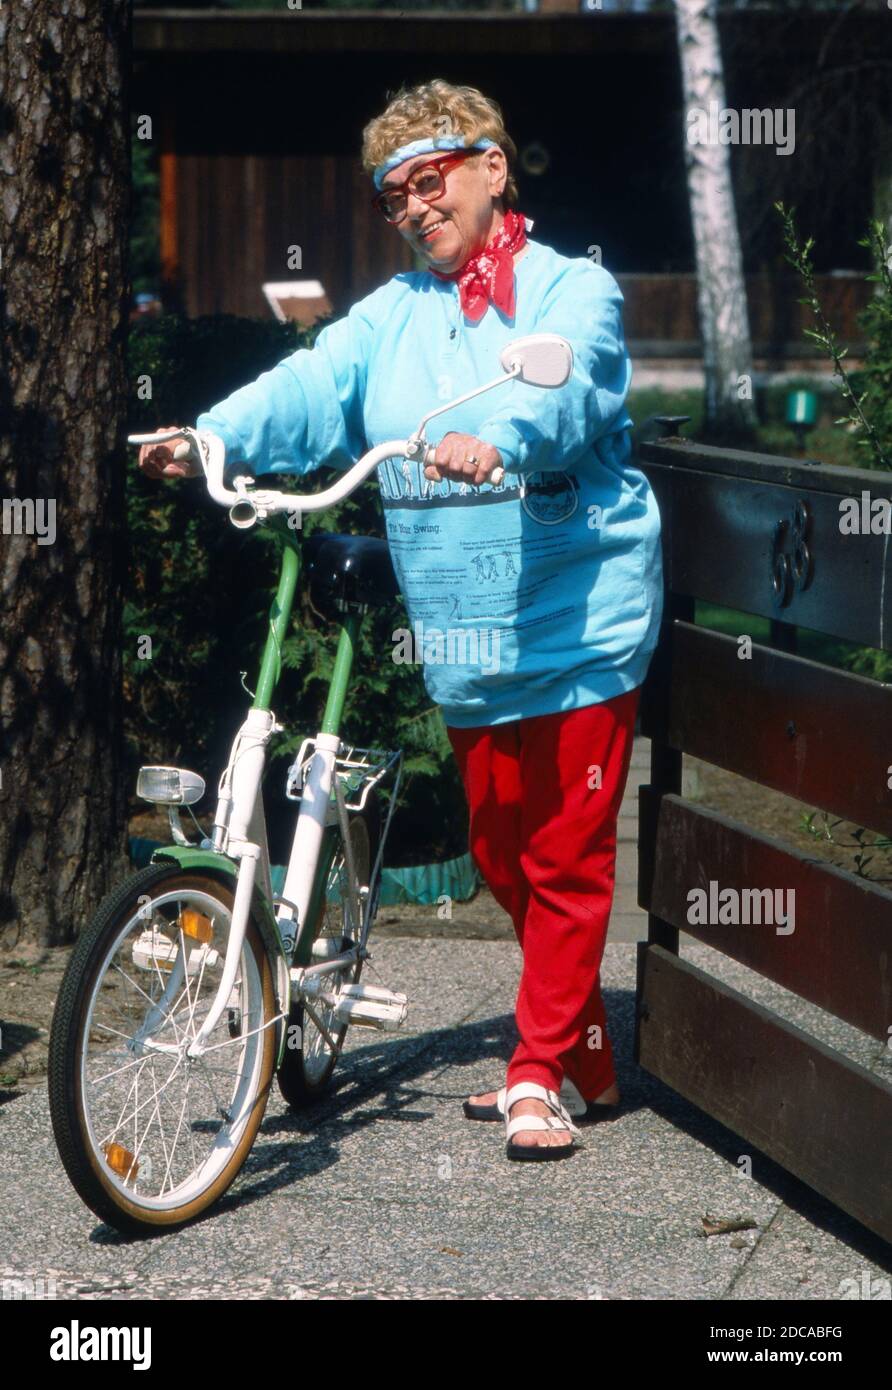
x,y
139,1107
166,1124
176,1137
118,1071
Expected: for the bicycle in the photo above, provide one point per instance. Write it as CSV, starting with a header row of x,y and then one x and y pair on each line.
x,y
194,984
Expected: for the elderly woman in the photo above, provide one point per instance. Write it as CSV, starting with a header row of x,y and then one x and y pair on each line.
x,y
559,558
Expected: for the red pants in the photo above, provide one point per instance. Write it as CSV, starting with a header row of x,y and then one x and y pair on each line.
x,y
543,833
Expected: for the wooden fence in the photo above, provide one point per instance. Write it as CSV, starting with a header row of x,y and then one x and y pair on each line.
x,y
763,536
661,317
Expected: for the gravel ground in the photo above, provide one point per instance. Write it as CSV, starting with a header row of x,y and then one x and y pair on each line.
x,y
385,1191
30,975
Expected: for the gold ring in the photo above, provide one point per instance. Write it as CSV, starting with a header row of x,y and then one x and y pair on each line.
x,y
471,458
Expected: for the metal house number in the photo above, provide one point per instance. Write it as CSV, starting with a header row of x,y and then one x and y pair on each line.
x,y
791,558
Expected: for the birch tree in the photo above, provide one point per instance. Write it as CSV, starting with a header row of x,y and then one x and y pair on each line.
x,y
721,292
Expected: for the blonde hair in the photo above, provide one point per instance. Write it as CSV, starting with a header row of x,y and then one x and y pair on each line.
x,y
438,108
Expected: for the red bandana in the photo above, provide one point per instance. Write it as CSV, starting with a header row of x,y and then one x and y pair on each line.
x,y
489,276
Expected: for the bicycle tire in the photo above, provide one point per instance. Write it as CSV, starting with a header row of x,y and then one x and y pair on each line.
x,y
300,1083
85,1162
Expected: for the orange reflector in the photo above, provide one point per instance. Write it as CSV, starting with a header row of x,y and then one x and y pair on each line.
x,y
120,1160
197,926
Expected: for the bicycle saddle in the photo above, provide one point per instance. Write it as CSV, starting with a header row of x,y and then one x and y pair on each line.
x,y
348,571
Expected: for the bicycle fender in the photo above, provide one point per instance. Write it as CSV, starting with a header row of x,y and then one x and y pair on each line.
x,y
207,861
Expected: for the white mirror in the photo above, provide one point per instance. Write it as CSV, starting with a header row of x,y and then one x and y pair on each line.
x,y
545,359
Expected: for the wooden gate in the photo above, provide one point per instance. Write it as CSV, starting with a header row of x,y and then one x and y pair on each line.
x,y
763,536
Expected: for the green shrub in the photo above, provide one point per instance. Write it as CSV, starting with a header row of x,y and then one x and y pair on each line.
x,y
865,392
874,379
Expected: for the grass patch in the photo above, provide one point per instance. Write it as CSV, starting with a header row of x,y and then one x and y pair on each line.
x,y
815,646
829,443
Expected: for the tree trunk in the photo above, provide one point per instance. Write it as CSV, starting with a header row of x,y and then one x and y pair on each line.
x,y
721,290
64,155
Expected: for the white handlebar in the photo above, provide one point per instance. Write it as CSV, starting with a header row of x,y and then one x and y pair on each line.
x,y
542,359
246,507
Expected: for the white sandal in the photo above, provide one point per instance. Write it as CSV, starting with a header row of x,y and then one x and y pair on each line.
x,y
559,1120
573,1101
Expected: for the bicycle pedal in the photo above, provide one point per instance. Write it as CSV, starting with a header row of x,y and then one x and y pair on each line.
x,y
370,1006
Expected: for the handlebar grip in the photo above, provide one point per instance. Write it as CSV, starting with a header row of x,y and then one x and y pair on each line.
x,y
430,457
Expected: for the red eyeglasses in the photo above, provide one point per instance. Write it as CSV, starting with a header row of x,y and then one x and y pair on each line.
x,y
427,182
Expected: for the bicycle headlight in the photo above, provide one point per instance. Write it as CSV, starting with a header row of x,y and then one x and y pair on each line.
x,y
169,786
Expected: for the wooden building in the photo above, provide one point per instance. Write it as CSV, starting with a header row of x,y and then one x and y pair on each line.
x,y
259,117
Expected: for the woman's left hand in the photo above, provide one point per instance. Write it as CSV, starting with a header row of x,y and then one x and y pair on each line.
x,y
452,459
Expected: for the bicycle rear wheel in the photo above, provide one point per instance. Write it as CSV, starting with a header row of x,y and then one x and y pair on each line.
x,y
148,1136
307,1066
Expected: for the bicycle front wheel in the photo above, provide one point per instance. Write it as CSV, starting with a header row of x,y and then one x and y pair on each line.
x,y
149,1136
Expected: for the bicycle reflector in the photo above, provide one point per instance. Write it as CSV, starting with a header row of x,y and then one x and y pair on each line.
x,y
169,786
121,1161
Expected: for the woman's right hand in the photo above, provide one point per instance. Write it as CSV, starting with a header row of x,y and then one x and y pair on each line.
x,y
157,460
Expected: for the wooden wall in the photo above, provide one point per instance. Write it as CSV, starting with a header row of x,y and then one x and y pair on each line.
x,y
238,215
261,116
661,318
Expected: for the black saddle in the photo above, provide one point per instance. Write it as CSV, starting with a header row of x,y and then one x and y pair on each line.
x,y
347,573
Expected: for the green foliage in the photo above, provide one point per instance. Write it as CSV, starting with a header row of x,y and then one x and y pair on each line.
x,y
858,840
201,591
874,380
866,393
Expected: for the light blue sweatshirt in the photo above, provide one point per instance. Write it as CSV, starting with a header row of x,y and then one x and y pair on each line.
x,y
541,594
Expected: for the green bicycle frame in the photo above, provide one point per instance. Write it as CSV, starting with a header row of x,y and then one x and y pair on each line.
x,y
191,857
279,616
270,671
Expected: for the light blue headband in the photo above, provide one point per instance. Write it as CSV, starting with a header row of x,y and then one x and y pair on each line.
x,y
426,145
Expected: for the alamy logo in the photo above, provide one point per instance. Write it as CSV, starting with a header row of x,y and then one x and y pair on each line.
x,y
25,1287
76,1343
29,516
730,907
868,1288
865,515
454,646
726,126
